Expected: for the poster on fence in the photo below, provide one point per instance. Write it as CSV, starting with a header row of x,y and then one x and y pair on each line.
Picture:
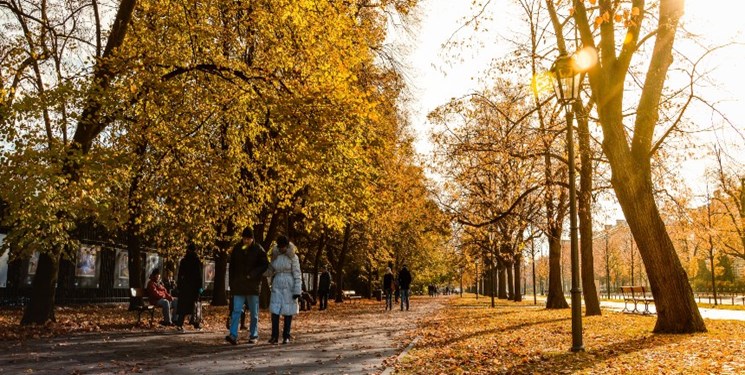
x,y
3,265
33,262
86,262
152,261
209,274
121,269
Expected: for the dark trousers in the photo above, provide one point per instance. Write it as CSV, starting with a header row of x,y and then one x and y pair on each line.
x,y
323,297
285,329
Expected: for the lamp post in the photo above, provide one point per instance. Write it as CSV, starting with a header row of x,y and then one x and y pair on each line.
x,y
567,91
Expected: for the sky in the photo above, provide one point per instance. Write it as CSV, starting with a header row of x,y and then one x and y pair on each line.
x,y
435,75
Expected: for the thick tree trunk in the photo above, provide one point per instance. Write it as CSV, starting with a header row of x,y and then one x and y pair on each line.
x,y
517,293
219,292
41,305
510,284
677,311
499,272
340,260
589,291
555,298
134,264
630,162
317,263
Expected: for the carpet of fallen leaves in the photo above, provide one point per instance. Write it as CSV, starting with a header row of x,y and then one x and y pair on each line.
x,y
470,337
93,318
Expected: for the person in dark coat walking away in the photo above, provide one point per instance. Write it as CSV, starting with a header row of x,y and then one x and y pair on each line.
x,y
324,288
404,283
388,288
286,287
248,262
190,281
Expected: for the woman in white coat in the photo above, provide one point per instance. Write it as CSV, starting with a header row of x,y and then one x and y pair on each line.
x,y
286,287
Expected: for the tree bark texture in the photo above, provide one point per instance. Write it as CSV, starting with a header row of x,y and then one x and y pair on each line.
x,y
589,291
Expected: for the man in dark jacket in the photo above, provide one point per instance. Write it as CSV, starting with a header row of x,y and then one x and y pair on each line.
x,y
190,281
248,261
404,283
324,287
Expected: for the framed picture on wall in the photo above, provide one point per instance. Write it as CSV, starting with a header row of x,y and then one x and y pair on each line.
x,y
86,264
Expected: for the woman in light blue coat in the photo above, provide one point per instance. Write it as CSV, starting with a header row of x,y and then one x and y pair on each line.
x,y
286,287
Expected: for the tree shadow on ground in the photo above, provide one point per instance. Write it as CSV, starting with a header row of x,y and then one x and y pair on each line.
x,y
572,362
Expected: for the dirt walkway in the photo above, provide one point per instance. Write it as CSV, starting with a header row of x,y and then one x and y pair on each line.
x,y
350,338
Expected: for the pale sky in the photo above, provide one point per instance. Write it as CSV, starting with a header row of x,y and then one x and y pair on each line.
x,y
435,75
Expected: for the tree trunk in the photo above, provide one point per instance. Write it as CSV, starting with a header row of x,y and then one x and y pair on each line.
x,y
317,263
589,292
340,263
555,298
41,305
502,274
134,264
219,292
518,294
677,311
511,283
630,162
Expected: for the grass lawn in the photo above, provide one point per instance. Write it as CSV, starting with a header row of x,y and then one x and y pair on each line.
x,y
469,337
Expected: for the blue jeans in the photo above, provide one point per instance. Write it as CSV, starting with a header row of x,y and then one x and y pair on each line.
x,y
389,300
253,308
167,305
404,299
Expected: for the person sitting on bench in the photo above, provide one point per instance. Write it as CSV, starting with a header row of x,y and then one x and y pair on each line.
x,y
159,296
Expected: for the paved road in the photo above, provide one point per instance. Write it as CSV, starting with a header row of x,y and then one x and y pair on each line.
x,y
361,340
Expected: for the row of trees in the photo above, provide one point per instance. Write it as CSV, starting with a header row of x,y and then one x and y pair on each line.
x,y
503,150
163,122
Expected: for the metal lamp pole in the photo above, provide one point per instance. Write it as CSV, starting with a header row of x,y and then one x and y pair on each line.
x,y
567,90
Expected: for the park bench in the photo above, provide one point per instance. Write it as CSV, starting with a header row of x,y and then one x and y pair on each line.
x,y
350,295
636,295
144,307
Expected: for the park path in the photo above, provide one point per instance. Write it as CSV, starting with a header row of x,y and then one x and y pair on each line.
x,y
351,338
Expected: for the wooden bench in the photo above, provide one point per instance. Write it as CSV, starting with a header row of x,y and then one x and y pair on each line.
x,y
636,295
144,307
350,295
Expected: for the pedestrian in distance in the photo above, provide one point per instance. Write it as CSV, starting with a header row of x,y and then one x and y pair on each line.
x,y
248,262
324,288
190,280
159,296
404,284
286,287
388,288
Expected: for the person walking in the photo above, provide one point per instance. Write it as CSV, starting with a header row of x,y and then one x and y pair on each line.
x,y
388,288
404,283
190,283
324,288
159,296
248,262
286,287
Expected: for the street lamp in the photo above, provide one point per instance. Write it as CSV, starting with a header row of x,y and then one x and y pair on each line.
x,y
567,85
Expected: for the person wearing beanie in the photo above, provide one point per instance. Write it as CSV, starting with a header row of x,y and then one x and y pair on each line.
x,y
286,287
248,262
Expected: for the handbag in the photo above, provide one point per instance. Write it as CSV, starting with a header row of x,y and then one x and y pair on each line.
x,y
196,317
